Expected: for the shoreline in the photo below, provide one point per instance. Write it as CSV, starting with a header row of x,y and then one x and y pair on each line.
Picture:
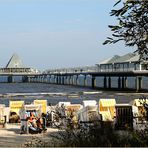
x,y
3,95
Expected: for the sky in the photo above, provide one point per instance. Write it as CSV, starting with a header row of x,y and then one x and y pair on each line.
x,y
50,34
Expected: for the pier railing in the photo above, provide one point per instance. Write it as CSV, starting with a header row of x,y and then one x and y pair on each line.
x,y
89,69
18,71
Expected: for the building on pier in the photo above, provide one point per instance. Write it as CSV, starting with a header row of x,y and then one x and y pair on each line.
x,y
127,62
15,65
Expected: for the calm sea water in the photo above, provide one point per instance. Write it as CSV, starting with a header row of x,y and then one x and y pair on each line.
x,y
55,93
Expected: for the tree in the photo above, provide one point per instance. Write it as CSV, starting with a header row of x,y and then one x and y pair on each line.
x,y
132,27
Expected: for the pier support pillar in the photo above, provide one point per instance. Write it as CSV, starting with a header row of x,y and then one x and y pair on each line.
x,y
85,80
93,81
138,83
54,79
119,83
38,79
41,79
126,82
62,80
57,80
66,80
69,79
109,82
29,79
105,82
72,80
49,79
25,79
77,79
10,79
123,83
33,79
45,79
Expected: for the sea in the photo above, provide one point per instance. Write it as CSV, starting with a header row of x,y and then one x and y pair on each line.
x,y
54,94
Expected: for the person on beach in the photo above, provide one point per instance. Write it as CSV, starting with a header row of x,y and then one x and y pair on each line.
x,y
35,122
32,119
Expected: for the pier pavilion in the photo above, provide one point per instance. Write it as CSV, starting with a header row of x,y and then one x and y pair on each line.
x,y
15,65
127,62
15,68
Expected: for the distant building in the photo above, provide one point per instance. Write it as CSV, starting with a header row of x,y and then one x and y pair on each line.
x,y
15,65
127,62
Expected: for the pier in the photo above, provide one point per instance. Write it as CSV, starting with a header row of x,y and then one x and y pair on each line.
x,y
121,79
119,72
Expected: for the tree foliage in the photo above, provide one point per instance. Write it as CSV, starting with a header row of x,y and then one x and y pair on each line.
x,y
132,27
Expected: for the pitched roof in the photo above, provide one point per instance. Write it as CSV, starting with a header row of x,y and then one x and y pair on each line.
x,y
134,58
15,62
110,60
125,58
130,57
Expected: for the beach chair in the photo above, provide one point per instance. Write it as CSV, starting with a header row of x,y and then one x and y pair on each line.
x,y
88,116
89,103
107,109
124,117
15,107
2,116
26,126
141,113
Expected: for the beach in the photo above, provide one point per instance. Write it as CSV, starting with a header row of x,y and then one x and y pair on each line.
x,y
10,136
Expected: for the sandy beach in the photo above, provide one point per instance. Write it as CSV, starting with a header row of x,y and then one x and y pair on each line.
x,y
10,136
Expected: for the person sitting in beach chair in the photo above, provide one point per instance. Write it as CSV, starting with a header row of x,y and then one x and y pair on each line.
x,y
32,119
35,124
32,123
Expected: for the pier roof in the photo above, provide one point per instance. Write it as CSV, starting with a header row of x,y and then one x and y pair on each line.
x,y
130,57
125,58
15,62
110,60
134,58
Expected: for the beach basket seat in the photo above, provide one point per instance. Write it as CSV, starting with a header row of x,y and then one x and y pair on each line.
x,y
124,117
2,116
107,109
26,124
2,121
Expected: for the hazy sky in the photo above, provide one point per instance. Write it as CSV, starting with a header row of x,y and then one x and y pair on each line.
x,y
56,33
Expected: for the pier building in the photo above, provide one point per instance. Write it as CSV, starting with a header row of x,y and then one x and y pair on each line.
x,y
15,65
127,62
16,71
